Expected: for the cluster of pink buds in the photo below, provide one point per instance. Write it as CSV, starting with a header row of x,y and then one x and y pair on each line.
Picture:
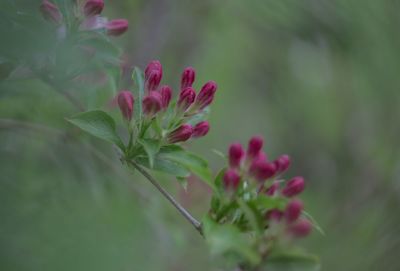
x,y
174,117
251,168
90,19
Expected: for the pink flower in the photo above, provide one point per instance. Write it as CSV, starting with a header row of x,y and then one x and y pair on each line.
x,y
293,210
262,170
125,102
231,180
255,146
201,129
93,7
166,94
206,95
152,75
301,228
282,163
182,133
152,103
236,155
188,76
186,98
294,187
51,12
117,27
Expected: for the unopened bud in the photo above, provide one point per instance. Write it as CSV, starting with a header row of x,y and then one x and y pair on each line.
x,y
294,187
93,7
301,228
125,102
182,133
186,98
166,95
201,129
272,189
117,27
236,155
51,12
282,163
262,170
293,210
231,180
255,146
274,215
206,95
152,103
188,77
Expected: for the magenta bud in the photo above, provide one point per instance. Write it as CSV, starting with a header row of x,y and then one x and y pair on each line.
x,y
255,146
182,133
274,215
206,94
51,12
186,98
236,155
152,103
154,65
116,27
282,163
125,102
93,7
294,187
188,76
166,95
201,129
272,189
293,210
231,180
300,228
154,80
262,170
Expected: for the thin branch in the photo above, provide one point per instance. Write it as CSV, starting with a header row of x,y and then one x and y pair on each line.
x,y
196,224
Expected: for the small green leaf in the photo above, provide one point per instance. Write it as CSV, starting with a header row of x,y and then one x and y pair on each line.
x,y
151,147
98,123
138,78
253,216
192,162
183,182
267,202
165,166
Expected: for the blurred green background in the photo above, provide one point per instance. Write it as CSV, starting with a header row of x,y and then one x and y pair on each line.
x,y
318,79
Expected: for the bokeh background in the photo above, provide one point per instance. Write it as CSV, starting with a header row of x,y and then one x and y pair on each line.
x,y
319,79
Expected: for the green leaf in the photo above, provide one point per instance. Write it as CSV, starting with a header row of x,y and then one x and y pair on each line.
x,y
292,262
224,239
252,215
138,78
268,202
151,147
98,123
183,182
164,166
192,162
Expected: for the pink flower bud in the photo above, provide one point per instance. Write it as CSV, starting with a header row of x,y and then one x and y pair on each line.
x,y
182,133
255,146
51,12
206,94
272,189
152,103
154,65
274,215
282,163
201,129
153,81
186,98
294,187
236,155
125,102
262,170
301,228
166,94
188,76
116,27
293,210
93,7
231,180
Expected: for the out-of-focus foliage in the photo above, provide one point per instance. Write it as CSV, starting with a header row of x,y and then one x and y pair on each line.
x,y
319,79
